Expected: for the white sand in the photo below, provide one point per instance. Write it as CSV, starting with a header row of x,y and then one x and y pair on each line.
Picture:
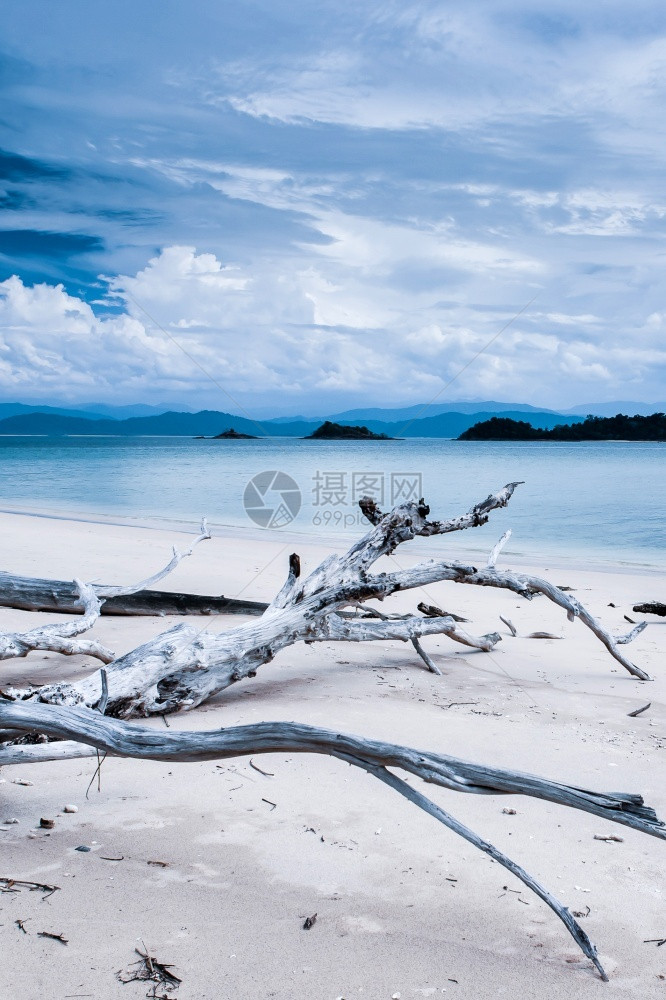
x,y
242,876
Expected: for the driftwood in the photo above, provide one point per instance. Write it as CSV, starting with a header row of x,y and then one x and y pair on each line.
x,y
92,733
31,594
183,667
651,608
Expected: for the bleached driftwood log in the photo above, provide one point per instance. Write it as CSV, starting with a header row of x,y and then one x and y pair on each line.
x,y
90,730
183,667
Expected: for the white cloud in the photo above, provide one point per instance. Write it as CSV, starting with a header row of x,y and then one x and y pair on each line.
x,y
306,336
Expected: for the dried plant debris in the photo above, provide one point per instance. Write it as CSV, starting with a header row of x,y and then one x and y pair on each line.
x,y
54,937
16,884
310,922
148,970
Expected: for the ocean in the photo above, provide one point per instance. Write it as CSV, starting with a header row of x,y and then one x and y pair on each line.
x,y
601,502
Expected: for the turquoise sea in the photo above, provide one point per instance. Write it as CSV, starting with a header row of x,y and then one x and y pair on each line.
x,y
599,501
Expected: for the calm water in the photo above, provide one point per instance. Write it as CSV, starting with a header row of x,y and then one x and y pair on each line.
x,y
599,500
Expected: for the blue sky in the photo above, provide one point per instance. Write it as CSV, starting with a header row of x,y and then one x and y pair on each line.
x,y
333,204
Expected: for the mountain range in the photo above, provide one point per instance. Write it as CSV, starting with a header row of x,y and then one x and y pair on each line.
x,y
438,421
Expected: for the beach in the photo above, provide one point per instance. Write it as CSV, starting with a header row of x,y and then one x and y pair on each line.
x,y
216,867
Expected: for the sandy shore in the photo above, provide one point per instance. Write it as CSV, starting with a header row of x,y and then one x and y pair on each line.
x,y
403,906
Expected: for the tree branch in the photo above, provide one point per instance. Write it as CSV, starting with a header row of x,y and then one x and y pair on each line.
x,y
60,638
128,740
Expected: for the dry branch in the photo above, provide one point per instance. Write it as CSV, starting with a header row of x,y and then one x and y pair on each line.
x,y
183,667
376,757
60,638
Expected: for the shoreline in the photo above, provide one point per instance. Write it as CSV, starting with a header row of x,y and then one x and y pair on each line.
x,y
463,546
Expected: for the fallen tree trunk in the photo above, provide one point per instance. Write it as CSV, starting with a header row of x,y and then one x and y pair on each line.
x,y
31,594
376,757
651,608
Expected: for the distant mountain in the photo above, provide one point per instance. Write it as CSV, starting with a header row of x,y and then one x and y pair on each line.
x,y
401,417
89,411
124,412
289,420
618,406
427,410
207,422
450,425
14,409
212,422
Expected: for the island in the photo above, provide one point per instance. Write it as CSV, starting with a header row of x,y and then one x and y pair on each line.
x,y
618,428
228,435
232,435
341,432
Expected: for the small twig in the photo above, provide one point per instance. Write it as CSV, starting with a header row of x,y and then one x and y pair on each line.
x,y
657,941
9,884
432,611
272,804
97,773
497,548
269,774
542,635
21,925
54,937
609,838
146,955
509,624
432,667
638,711
310,922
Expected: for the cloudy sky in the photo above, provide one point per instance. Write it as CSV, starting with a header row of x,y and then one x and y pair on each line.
x,y
303,207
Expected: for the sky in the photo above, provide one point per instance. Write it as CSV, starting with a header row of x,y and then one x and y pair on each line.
x,y
299,208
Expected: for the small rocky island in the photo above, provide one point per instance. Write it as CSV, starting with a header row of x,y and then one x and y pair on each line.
x,y
228,435
341,432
